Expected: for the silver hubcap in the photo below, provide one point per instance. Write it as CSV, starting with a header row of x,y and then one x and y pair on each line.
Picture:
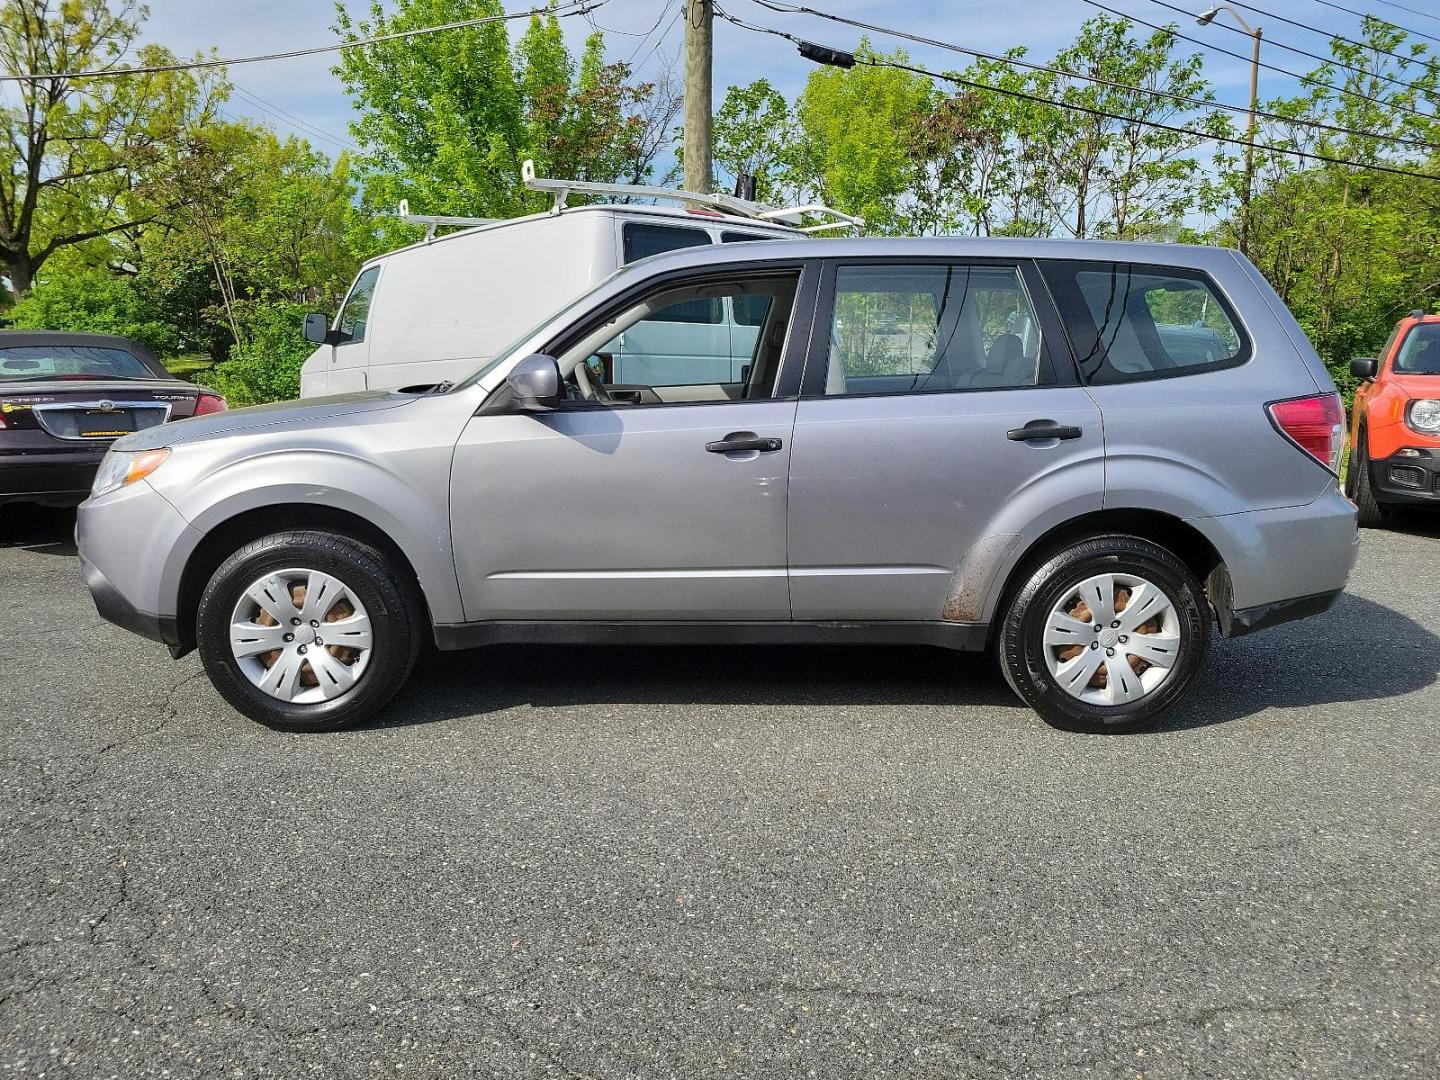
x,y
301,636
1112,639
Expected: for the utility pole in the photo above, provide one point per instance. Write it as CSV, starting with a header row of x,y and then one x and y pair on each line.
x,y
1205,19
699,62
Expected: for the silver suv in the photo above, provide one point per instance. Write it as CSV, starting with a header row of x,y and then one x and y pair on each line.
x,y
1079,455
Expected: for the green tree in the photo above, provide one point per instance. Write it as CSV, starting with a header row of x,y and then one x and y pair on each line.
x,y
856,133
78,148
447,125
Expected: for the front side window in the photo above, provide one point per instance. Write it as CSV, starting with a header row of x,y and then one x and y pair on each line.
x,y
911,329
1420,355
355,315
721,340
1129,322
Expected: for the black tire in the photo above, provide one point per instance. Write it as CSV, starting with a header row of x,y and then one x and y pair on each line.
x,y
1020,643
1371,514
385,591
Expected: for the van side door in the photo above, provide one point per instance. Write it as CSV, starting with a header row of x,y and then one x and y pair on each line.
x,y
940,415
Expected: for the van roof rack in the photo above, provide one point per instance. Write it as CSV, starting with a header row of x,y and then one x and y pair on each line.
x,y
432,222
561,190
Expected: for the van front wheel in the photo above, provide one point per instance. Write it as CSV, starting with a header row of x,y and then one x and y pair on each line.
x,y
1106,634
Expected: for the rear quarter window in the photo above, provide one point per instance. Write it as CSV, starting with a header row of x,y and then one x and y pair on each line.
x,y
1128,321
642,241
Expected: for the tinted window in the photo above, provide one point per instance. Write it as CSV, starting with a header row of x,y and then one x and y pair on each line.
x,y
69,361
903,329
742,237
1135,322
1420,355
642,241
355,315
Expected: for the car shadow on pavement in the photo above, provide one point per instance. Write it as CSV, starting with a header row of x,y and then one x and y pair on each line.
x,y
44,530
1359,651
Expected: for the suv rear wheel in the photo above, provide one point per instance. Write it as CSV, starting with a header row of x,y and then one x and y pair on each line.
x,y
1106,634
308,631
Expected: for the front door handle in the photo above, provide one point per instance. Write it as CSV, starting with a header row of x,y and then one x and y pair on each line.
x,y
739,441
1043,429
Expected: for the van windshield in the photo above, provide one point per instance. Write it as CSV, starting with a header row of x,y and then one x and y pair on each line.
x,y
509,350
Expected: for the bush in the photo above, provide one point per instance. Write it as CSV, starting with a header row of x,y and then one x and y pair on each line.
x,y
95,303
267,366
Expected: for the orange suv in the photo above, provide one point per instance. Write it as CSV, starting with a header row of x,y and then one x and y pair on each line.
x,y
1395,423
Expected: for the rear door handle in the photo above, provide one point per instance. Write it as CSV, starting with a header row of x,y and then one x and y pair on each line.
x,y
1043,429
738,441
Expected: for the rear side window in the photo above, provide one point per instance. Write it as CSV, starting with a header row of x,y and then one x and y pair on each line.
x,y
1127,321
642,241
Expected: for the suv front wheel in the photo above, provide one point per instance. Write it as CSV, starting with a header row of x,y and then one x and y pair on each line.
x,y
1107,634
307,630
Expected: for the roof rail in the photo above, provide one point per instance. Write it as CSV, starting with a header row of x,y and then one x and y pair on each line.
x,y
431,222
561,190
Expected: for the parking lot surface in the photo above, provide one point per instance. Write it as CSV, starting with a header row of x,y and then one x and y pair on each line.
x,y
721,862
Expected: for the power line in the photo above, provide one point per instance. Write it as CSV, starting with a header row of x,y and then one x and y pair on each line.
x,y
1411,10
797,9
1327,34
845,59
573,7
1382,22
1330,60
1307,79
664,35
304,125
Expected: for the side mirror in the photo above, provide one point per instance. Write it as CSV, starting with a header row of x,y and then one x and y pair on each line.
x,y
535,383
318,332
317,326
1364,367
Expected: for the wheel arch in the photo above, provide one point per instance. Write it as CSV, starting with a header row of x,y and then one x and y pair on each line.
x,y
1173,534
227,536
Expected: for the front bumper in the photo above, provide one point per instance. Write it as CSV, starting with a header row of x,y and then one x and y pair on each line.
x,y
1410,480
115,607
127,540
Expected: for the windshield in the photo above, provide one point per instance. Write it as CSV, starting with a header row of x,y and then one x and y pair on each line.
x,y
509,350
24,362
1420,355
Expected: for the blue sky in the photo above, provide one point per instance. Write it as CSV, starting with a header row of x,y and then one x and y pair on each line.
x,y
314,101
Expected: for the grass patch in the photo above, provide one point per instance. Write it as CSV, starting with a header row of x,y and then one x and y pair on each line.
x,y
187,367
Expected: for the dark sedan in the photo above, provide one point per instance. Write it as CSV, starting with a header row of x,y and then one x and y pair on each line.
x,y
65,397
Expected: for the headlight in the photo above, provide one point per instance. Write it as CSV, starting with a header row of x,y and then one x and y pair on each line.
x,y
1424,416
119,468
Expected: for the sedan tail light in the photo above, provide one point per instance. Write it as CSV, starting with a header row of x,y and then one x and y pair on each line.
x,y
1316,424
208,403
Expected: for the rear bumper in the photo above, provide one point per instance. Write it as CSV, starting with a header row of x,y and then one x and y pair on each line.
x,y
1409,480
1244,621
61,477
1282,564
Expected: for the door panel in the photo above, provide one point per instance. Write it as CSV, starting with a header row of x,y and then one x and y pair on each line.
x,y
622,514
888,493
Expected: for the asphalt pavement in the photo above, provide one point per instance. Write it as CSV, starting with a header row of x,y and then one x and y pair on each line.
x,y
721,862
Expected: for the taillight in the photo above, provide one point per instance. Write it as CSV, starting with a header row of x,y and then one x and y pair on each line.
x,y
1316,424
208,403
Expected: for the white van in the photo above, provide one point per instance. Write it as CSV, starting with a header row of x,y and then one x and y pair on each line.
x,y
437,310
